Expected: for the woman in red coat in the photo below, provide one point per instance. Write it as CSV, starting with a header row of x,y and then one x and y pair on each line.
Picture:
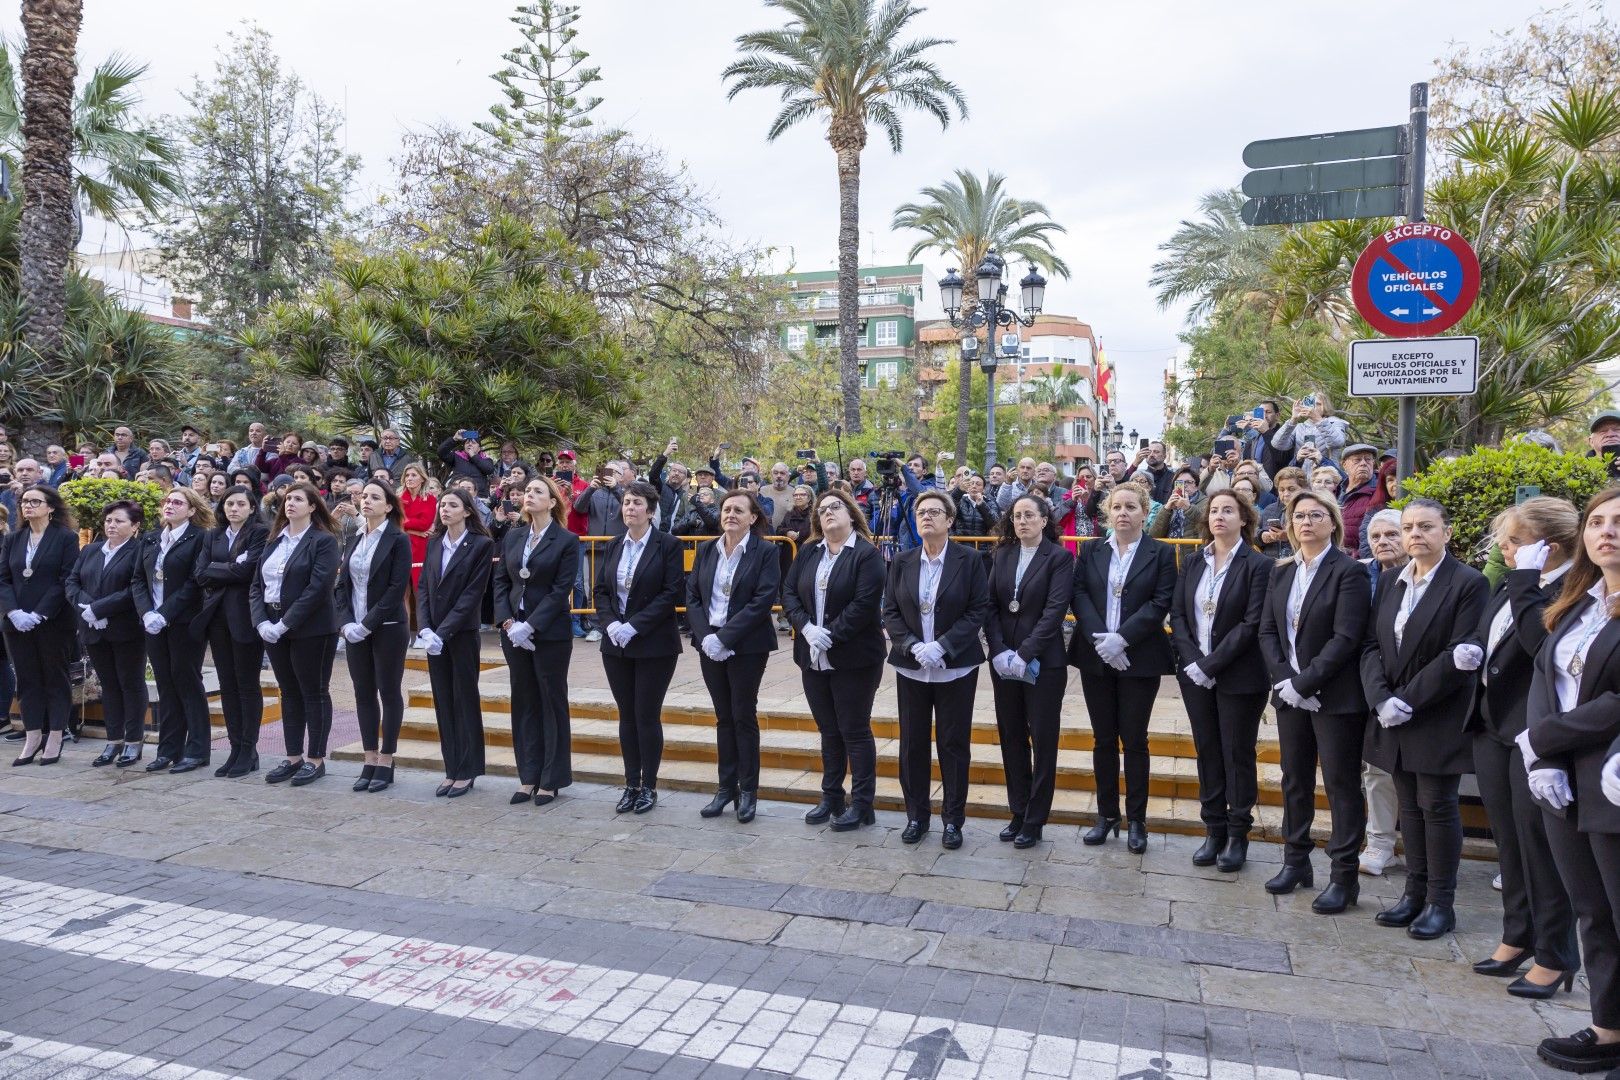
x,y
421,511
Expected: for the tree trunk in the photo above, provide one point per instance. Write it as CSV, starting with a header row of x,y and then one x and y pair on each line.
x,y
847,134
49,70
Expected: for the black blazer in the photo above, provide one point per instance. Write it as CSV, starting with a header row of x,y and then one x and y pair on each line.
x,y
1332,630
226,577
1234,661
449,603
1579,741
854,603
390,572
1422,673
45,592
105,586
1500,702
552,565
182,596
306,586
748,629
1036,631
1149,587
961,605
656,588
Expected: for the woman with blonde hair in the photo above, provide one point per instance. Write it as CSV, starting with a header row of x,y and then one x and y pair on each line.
x,y
168,598
421,507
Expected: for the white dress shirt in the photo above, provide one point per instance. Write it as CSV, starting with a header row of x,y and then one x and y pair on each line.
x,y
360,569
1577,641
108,551
929,572
530,542
629,555
274,567
1026,555
824,570
1119,568
1208,596
725,571
1413,596
1304,574
1503,622
449,547
166,540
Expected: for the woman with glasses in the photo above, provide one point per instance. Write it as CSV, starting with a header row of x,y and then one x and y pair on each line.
x,y
1311,637
168,598
1182,515
36,560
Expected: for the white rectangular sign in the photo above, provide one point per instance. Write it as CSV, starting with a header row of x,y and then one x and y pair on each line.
x,y
1416,367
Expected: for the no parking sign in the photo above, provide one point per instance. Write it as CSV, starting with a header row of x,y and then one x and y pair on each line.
x,y
1415,280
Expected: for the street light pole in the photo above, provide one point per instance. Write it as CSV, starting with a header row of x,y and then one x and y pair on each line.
x,y
990,313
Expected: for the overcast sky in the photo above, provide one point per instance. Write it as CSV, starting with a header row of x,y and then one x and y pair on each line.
x,y
1116,116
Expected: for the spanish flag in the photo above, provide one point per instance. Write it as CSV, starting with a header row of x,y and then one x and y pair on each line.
x,y
1105,379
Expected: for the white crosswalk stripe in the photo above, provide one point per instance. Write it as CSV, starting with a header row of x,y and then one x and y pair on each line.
x,y
23,1058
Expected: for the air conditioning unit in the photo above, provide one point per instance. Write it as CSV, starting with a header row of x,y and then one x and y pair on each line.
x,y
870,279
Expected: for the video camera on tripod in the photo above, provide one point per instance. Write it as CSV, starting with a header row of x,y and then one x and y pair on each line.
x,y
888,465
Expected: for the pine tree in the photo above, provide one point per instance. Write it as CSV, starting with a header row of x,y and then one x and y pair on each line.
x,y
545,80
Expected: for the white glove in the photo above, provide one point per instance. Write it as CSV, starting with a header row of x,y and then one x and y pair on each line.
x,y
354,633
1196,676
620,633
1394,713
154,622
930,654
1310,704
98,624
1551,786
87,614
1611,780
1109,646
1523,741
1467,657
242,558
265,630
1120,662
1289,695
428,641
1533,556
521,634
998,662
712,648
1016,665
819,637
271,632
22,620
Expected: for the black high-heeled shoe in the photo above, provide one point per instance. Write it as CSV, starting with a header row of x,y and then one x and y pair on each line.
x,y
717,805
747,805
458,792
1010,831
853,817
382,779
1136,837
366,773
29,760
1502,969
1522,987
1098,833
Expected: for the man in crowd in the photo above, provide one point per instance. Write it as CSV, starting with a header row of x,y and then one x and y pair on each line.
x,y
671,478
860,487
57,468
337,455
1020,480
1255,433
247,455
993,480
393,456
190,448
130,457
1603,439
1360,463
1157,472
469,461
24,475
780,493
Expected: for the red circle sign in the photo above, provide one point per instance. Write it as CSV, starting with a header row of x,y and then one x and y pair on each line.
x,y
1415,280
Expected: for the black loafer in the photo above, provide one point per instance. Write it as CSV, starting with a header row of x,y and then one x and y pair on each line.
x,y
717,805
108,755
646,799
1288,879
747,806
308,774
1580,1052
285,771
823,810
188,764
16,735
131,754
951,838
1233,855
1406,909
1335,898
627,801
1209,850
913,832
1027,837
1433,921
1012,829
853,818
159,763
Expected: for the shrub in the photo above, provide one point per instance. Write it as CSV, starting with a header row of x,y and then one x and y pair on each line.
x,y
89,497
1477,487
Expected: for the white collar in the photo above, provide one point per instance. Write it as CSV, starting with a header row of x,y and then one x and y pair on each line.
x,y
176,532
1113,547
369,534
742,546
1555,573
1311,564
937,560
1409,573
294,537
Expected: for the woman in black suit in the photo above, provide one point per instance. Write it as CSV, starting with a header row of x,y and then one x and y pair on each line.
x,y
1122,591
834,601
291,600
35,563
1311,635
371,605
1215,625
639,582
729,596
99,589
450,596
1573,719
936,601
167,599
533,584
226,573
1031,585
1536,539
1422,650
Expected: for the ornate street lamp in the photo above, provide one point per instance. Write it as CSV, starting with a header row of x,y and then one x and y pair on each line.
x,y
990,313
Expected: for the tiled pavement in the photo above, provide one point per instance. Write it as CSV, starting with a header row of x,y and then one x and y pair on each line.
x,y
151,925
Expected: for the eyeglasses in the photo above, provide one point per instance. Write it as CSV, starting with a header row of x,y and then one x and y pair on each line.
x,y
1315,517
31,502
1030,516
931,512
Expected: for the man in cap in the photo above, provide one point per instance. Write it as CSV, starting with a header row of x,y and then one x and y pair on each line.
x,y
1360,465
190,448
1604,439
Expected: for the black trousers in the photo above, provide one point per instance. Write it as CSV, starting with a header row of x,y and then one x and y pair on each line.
x,y
541,738
1225,728
1332,740
40,659
241,697
1027,720
303,668
1589,864
177,660
1431,830
1119,706
1536,912
734,688
121,669
453,675
947,708
841,702
639,684
377,669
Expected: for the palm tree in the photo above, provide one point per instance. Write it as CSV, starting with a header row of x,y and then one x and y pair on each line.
x,y
117,164
51,29
1214,258
1058,393
843,59
967,219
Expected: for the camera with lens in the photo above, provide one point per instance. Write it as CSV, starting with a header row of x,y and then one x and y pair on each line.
x,y
888,465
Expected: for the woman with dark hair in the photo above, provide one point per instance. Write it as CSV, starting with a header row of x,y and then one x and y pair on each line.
x,y
1215,625
1122,591
371,605
99,589
729,595
975,514
217,483
834,601
1182,515
167,599
448,600
1537,539
1031,585
272,464
225,621
639,582
1311,634
291,600
533,583
36,560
